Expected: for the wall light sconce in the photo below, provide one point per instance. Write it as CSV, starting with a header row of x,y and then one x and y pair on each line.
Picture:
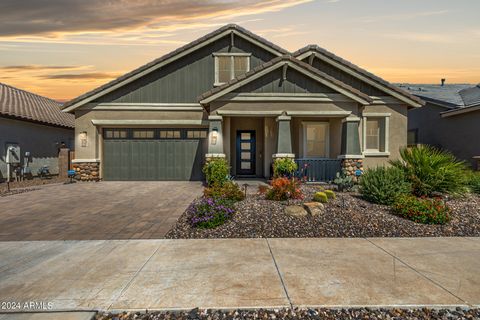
x,y
214,136
83,138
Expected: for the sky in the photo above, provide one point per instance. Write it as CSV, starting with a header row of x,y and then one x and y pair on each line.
x,y
63,48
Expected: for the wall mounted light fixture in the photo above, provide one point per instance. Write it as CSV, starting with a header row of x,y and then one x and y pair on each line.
x,y
83,138
214,136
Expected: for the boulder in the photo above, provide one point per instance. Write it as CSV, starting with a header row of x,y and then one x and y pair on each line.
x,y
295,211
314,208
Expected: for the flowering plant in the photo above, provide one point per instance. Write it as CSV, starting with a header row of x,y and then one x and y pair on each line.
x,y
284,189
210,212
423,209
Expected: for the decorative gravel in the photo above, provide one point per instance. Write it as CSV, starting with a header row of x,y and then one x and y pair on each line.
x,y
330,314
346,216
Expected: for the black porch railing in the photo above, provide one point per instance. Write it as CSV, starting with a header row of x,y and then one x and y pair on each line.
x,y
318,169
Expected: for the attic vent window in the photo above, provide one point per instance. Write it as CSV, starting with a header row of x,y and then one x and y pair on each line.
x,y
230,65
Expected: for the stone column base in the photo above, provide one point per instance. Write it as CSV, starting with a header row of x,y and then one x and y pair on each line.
x,y
350,166
212,156
283,156
87,171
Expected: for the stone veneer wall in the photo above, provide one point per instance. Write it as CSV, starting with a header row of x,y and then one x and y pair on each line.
x,y
351,165
87,171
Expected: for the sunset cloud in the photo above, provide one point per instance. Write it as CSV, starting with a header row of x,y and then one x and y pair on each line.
x,y
33,67
81,76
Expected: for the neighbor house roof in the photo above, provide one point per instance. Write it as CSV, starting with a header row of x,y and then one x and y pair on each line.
x,y
244,78
358,70
21,104
457,98
155,64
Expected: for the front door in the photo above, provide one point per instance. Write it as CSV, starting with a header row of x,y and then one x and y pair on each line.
x,y
245,152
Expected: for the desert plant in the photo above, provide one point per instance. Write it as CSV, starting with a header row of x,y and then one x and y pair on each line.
x,y
284,167
216,171
422,210
229,190
330,194
284,189
210,213
383,185
320,197
473,182
431,170
343,181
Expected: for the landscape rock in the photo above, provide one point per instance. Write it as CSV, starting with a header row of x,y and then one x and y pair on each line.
x,y
314,208
295,211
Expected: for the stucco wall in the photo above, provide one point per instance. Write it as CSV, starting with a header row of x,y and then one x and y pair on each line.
x,y
83,123
40,140
397,132
458,134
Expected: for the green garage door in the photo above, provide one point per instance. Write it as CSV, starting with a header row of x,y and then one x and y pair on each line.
x,y
153,154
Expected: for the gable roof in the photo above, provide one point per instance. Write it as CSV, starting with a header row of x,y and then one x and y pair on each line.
x,y
169,57
273,65
26,105
360,72
447,95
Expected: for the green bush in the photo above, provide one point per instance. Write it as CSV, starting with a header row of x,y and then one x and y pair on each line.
x,y
284,167
343,181
422,210
330,194
229,190
320,197
210,213
431,170
284,189
216,171
473,182
383,185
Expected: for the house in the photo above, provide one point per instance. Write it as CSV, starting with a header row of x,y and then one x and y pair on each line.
x,y
236,95
34,124
450,119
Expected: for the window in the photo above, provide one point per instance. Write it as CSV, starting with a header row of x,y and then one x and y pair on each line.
x,y
143,134
412,137
115,133
170,134
315,136
196,134
375,133
230,65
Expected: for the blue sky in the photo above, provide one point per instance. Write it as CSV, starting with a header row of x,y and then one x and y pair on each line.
x,y
63,48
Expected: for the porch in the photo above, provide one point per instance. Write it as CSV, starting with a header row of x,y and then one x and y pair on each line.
x,y
319,144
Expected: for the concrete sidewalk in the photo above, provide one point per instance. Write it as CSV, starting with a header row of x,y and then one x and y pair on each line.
x,y
241,273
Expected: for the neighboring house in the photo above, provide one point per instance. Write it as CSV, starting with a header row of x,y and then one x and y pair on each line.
x,y
449,120
233,94
35,124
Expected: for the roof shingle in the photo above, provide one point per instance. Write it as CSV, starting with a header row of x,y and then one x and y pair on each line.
x,y
26,105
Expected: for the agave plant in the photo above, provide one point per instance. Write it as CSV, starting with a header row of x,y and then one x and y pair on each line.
x,y
431,170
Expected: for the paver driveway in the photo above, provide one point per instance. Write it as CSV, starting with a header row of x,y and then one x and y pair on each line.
x,y
92,211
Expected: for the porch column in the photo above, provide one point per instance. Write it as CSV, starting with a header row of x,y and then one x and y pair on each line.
x,y
351,152
215,138
284,138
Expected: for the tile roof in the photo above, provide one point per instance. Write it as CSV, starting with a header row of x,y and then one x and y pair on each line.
x,y
275,61
449,95
26,105
358,69
172,54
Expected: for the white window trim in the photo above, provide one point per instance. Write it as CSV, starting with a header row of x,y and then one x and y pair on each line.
x,y
304,137
376,152
231,55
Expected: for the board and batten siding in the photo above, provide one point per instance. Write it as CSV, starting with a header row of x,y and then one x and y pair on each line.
x,y
295,82
183,80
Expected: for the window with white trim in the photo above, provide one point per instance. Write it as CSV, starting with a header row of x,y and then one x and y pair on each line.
x,y
375,133
315,139
230,65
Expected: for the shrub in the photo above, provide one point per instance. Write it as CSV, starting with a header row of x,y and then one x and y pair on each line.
x,y
330,194
383,185
284,167
473,182
210,213
262,189
216,171
422,210
320,197
343,181
229,190
284,189
430,170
